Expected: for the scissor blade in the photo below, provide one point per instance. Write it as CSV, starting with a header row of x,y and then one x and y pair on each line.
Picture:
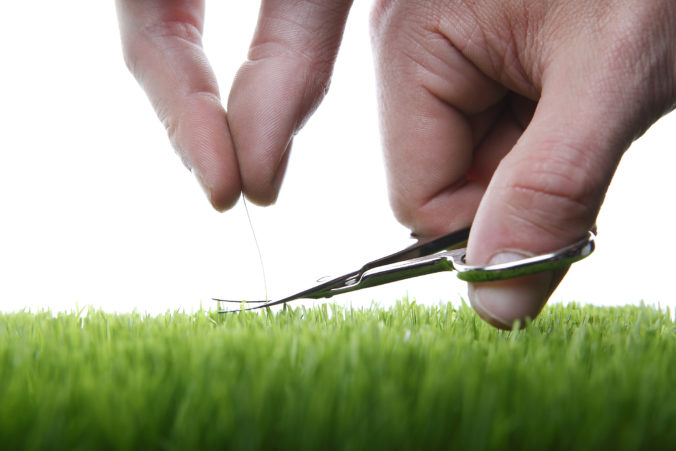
x,y
245,309
233,301
450,241
407,269
323,290
264,305
414,261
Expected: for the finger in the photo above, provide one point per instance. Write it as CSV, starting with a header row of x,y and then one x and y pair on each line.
x,y
427,93
162,46
286,76
544,195
496,142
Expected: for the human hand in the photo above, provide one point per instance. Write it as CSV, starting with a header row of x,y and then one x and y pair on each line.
x,y
287,73
512,116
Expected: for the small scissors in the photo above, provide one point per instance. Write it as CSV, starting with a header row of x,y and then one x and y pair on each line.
x,y
446,253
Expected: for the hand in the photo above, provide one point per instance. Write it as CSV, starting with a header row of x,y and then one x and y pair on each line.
x,y
286,76
513,116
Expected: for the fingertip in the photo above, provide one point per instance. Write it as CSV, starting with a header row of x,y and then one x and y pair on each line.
x,y
223,194
201,137
223,199
264,114
262,199
503,303
266,194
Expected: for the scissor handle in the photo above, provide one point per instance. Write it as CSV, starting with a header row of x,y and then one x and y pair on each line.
x,y
558,259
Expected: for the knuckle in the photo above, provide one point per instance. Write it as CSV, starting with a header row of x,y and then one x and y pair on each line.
x,y
132,55
408,205
379,14
424,217
558,193
308,67
180,30
156,38
308,31
129,55
404,211
390,16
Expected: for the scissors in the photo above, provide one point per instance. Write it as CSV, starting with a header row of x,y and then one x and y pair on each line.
x,y
446,253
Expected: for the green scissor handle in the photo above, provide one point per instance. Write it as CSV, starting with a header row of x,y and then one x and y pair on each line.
x,y
561,258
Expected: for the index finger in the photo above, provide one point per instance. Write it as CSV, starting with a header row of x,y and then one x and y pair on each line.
x,y
162,46
427,93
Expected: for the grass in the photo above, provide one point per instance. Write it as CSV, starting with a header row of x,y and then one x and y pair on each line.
x,y
408,377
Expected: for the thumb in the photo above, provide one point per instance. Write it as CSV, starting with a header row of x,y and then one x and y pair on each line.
x,y
285,77
544,195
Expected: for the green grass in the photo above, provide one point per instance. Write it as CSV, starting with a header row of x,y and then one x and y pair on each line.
x,y
408,377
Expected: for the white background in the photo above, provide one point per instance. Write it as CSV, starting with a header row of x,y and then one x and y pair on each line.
x,y
95,208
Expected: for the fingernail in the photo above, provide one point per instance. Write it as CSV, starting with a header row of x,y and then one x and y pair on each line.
x,y
502,303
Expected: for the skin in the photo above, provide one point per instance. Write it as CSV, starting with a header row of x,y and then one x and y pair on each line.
x,y
511,116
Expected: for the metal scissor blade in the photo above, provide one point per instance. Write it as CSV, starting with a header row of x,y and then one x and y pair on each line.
x,y
370,276
407,269
323,290
413,261
450,241
233,301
